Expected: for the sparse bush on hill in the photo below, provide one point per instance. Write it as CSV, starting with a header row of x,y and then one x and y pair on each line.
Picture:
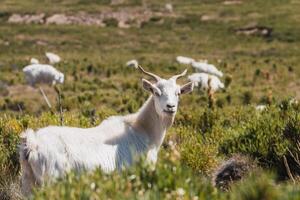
x,y
267,137
257,70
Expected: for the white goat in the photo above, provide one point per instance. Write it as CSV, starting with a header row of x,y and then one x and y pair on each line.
x,y
169,7
201,80
184,60
53,151
41,73
34,61
207,68
53,58
132,63
293,101
260,108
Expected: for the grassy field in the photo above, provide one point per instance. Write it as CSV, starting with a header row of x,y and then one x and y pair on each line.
x,y
262,70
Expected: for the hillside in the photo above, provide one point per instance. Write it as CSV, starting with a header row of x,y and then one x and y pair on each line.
x,y
254,43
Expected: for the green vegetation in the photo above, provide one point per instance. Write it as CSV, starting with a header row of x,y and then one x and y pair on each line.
x,y
258,70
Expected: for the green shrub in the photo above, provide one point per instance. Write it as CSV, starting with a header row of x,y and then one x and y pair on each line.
x,y
256,188
170,180
247,97
268,137
9,137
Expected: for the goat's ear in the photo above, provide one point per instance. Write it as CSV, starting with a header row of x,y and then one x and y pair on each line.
x,y
187,88
147,85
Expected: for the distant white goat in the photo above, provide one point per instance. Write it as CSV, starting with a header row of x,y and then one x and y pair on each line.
x,y
34,61
41,73
132,63
53,58
293,101
51,152
260,108
201,80
184,60
207,68
169,7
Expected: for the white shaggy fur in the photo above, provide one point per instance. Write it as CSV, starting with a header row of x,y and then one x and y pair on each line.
x,y
201,80
53,58
34,61
41,73
293,101
51,152
184,60
260,108
207,68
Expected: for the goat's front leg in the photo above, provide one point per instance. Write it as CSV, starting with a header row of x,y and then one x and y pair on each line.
x,y
53,82
152,157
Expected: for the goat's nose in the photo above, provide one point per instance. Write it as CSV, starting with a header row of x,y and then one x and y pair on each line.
x,y
170,106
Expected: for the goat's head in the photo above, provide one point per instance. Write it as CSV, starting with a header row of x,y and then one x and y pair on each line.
x,y
166,92
60,77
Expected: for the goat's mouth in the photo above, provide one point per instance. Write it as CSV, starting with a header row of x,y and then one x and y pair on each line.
x,y
170,111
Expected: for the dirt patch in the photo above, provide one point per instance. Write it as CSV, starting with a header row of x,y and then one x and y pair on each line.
x,y
6,43
218,17
24,94
28,91
41,43
254,15
209,17
295,86
232,2
26,19
116,2
125,18
62,19
3,89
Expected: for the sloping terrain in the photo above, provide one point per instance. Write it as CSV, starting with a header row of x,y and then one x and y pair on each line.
x,y
254,43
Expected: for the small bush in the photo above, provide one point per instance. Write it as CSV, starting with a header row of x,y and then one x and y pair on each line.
x,y
168,181
247,97
111,22
268,138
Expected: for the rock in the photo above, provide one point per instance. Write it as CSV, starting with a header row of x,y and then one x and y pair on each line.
x,y
124,17
15,19
209,17
3,89
254,15
35,19
58,19
82,19
232,170
123,24
41,43
116,2
27,19
6,43
254,30
232,2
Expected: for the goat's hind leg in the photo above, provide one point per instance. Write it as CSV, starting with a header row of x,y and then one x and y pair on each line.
x,y
28,180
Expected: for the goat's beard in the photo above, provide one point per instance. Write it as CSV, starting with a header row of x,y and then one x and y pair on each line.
x,y
168,119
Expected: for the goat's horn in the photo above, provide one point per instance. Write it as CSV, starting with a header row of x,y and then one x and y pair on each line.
x,y
157,78
179,75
